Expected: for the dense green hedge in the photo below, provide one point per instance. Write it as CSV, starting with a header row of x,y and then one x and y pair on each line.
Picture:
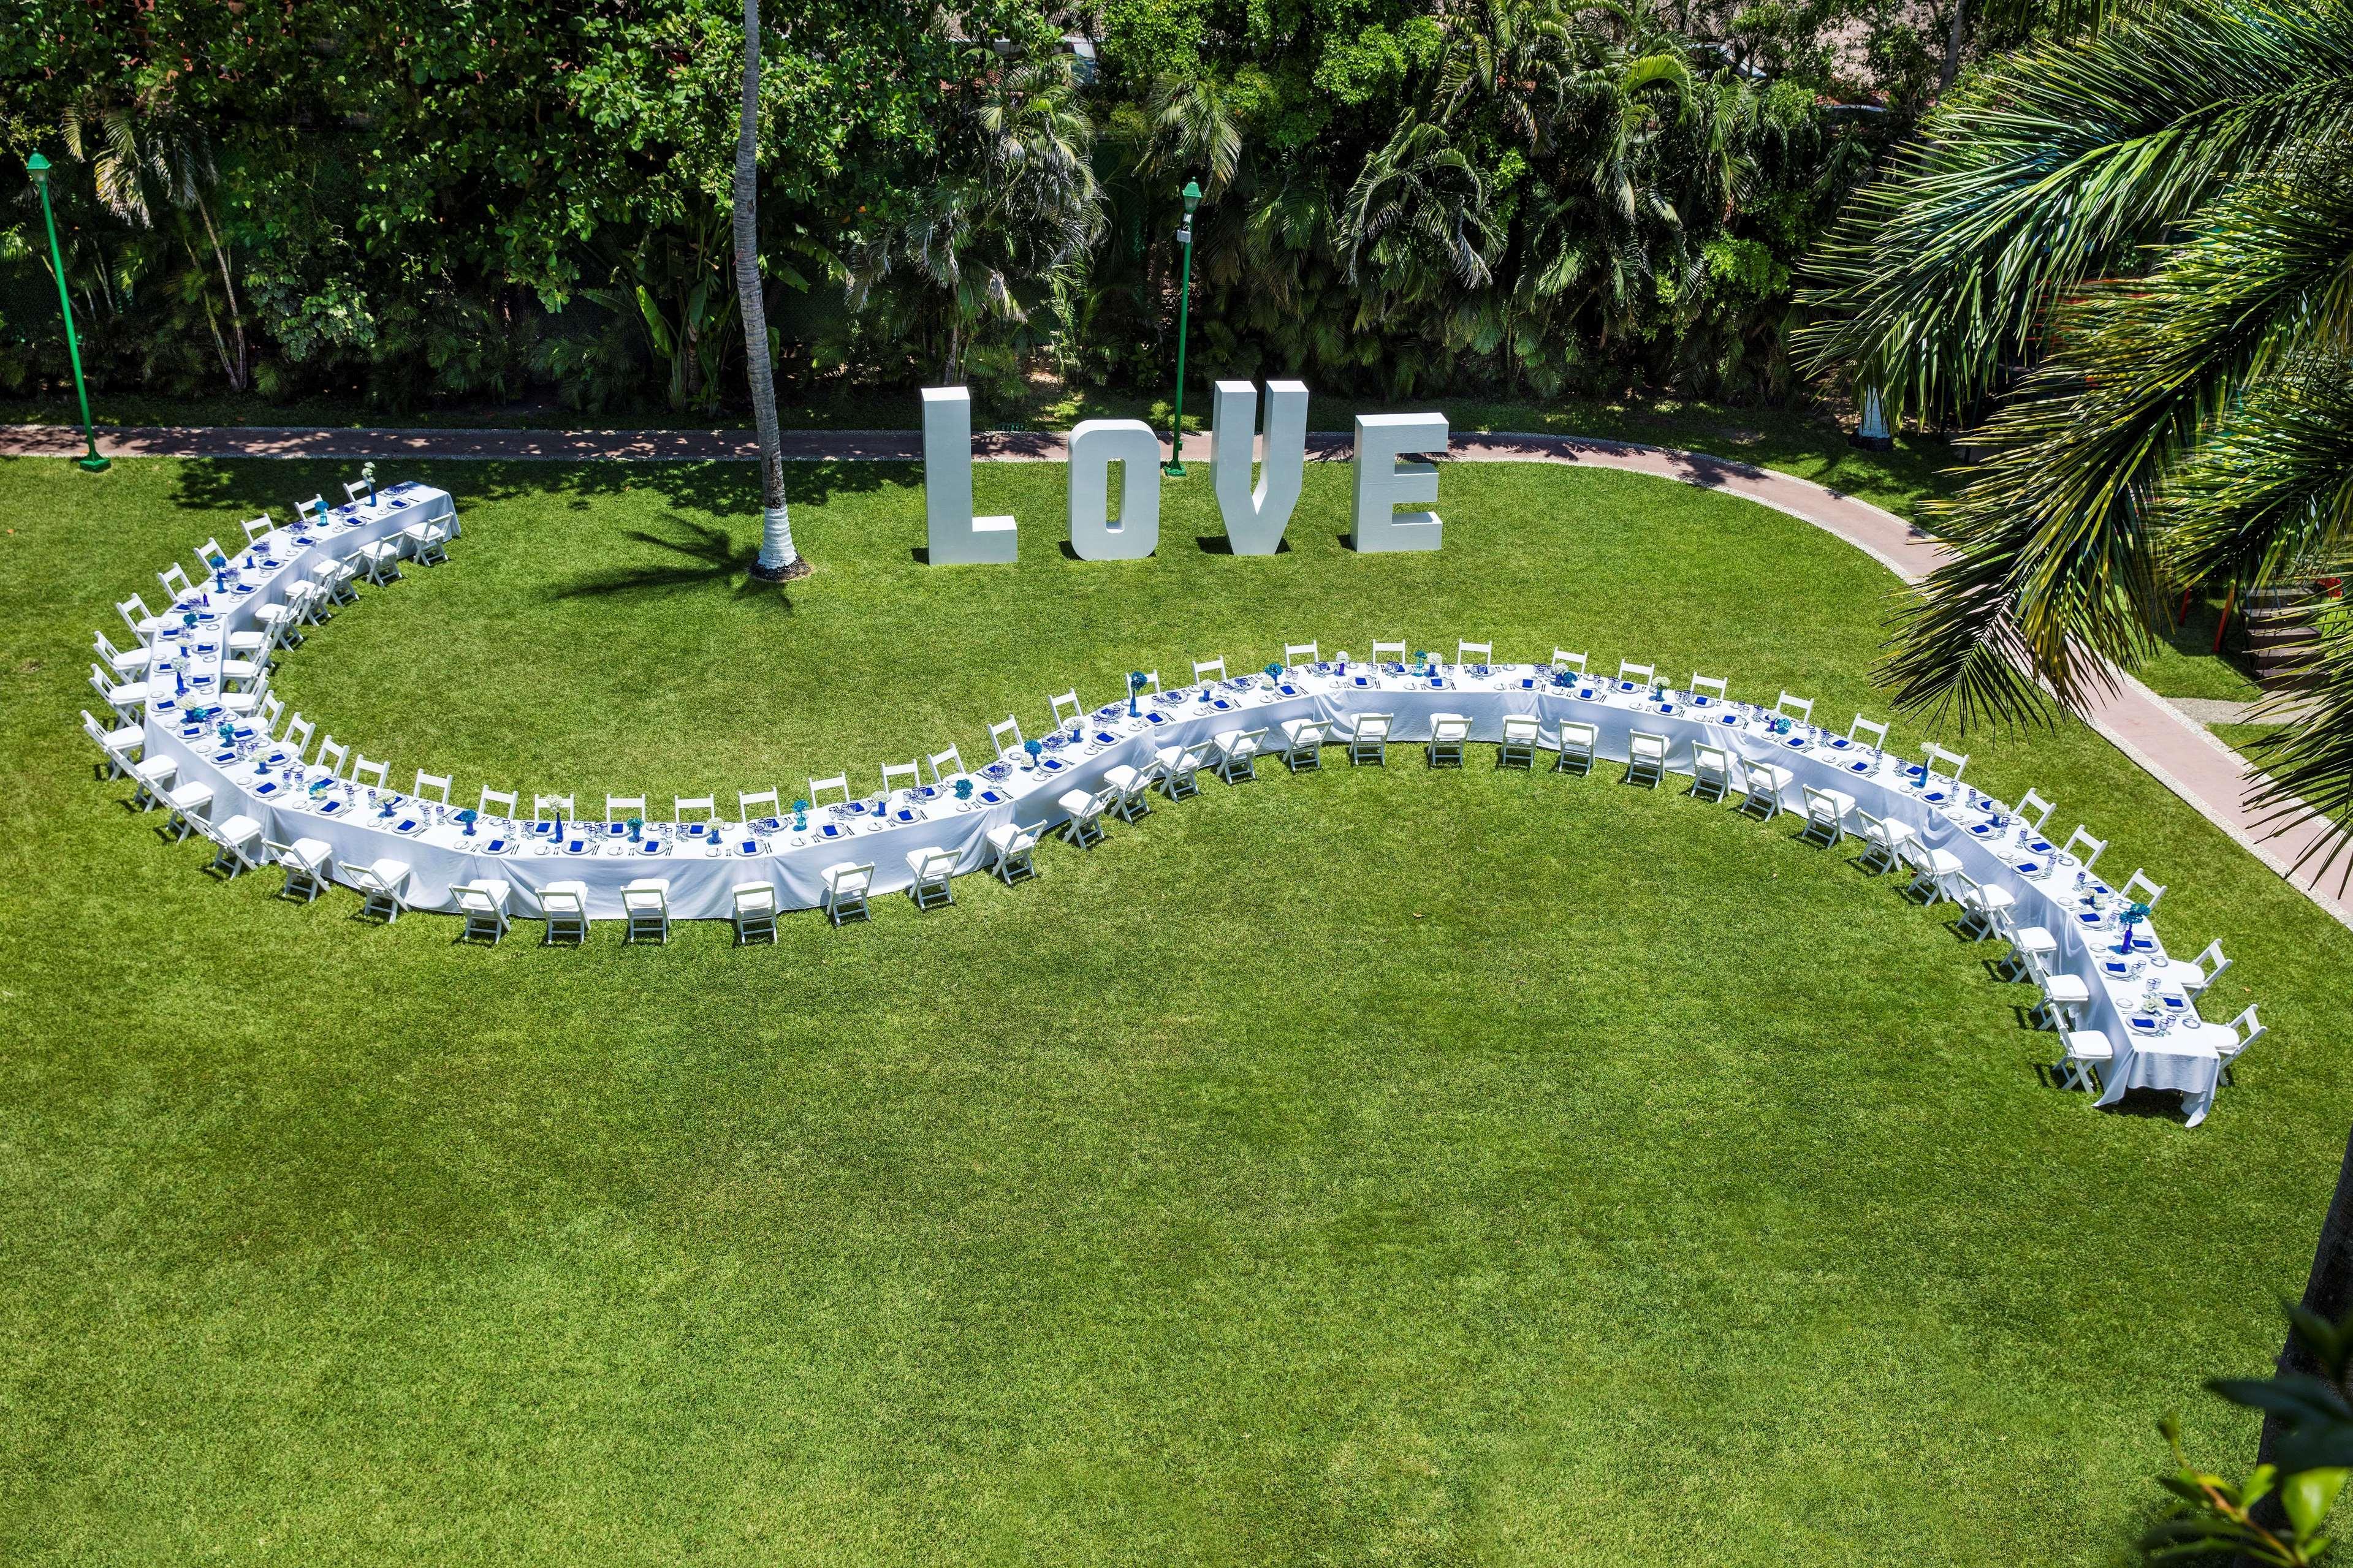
x,y
417,200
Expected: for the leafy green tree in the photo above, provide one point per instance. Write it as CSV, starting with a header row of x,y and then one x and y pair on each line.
x,y
2153,222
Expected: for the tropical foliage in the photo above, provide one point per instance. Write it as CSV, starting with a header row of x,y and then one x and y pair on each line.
x,y
2130,255
413,201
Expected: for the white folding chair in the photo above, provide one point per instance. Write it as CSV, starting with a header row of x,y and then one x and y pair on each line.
x,y
356,490
754,911
1207,670
210,551
1518,747
2064,996
426,541
1789,707
1083,825
1639,674
1011,846
1298,654
1388,652
381,887
1933,871
621,807
2032,810
1469,653
1826,814
365,771
846,886
126,698
432,786
932,870
1713,686
1983,907
176,585
379,559
1151,682
1646,757
2083,848
1302,742
1762,787
1237,753
1711,771
122,661
1067,710
1008,751
753,805
2028,945
2249,1030
1885,840
2139,889
897,776
700,808
561,804
1564,660
270,711
954,761
309,864
186,807
1135,787
1872,727
2194,975
1180,767
484,905
297,738
837,786
564,907
1448,733
255,527
1577,740
2087,1052
1368,739
644,911
144,623
238,844
495,803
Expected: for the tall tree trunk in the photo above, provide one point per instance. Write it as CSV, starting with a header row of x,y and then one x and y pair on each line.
x,y
1952,67
2327,1293
238,368
778,560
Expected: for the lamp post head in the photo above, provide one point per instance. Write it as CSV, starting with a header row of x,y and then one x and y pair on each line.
x,y
39,167
1192,194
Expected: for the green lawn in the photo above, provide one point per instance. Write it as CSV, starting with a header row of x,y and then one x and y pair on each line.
x,y
1362,1167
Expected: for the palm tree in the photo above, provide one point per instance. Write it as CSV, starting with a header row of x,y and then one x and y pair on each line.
x,y
778,560
137,159
2141,239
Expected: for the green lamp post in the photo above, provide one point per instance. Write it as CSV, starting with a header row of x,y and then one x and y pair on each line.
x,y
1184,304
39,167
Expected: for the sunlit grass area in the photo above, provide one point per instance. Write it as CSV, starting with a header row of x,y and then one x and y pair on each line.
x,y
1372,1165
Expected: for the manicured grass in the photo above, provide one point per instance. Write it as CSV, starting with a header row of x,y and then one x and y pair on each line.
x,y
1365,1166
2246,739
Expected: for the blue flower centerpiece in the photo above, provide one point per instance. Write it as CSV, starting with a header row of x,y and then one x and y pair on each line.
x,y
800,816
1420,661
220,572
1135,685
1273,672
2135,914
964,789
466,819
1035,750
367,472
636,828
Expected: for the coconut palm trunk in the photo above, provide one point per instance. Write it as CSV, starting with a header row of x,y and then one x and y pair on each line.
x,y
778,560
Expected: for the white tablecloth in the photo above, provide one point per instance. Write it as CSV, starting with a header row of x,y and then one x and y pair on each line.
x,y
364,827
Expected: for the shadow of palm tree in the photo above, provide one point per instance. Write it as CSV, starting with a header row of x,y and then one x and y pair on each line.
x,y
705,555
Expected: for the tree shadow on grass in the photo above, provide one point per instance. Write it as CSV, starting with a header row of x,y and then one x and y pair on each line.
x,y
253,485
703,555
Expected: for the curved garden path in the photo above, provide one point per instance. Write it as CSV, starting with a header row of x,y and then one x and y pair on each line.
x,y
2174,748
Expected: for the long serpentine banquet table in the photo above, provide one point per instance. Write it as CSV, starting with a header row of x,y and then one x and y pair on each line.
x,y
2158,1043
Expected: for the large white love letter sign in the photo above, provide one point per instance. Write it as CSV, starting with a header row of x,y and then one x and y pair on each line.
x,y
1255,518
1383,484
956,537
1095,446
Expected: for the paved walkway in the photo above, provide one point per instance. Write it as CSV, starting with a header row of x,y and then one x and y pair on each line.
x,y
2171,745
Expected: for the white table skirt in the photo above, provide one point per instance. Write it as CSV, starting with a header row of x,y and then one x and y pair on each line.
x,y
702,876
